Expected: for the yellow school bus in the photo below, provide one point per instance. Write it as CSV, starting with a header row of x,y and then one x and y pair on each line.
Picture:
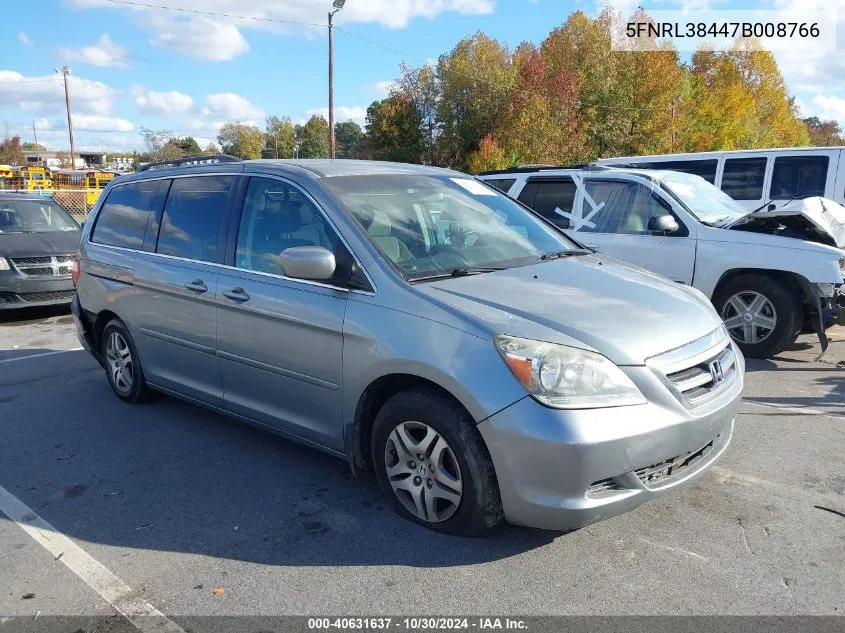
x,y
91,181
31,179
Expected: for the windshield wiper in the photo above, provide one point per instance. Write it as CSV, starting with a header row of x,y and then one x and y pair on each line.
x,y
464,271
561,254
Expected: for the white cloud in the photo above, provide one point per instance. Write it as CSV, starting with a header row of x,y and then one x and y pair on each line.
x,y
230,107
341,113
384,87
25,39
219,38
826,107
96,122
105,53
198,37
45,94
164,103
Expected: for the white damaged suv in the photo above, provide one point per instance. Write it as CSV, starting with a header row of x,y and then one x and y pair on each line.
x,y
770,274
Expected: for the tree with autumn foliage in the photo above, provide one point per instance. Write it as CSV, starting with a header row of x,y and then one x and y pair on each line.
x,y
394,130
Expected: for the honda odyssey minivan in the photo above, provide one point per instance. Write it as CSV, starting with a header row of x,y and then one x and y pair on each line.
x,y
416,322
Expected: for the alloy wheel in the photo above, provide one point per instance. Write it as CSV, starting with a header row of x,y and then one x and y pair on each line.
x,y
423,471
120,363
749,317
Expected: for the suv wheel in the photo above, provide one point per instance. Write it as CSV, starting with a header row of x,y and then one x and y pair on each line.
x,y
432,462
760,313
120,360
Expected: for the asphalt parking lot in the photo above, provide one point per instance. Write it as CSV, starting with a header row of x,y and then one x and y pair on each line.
x,y
177,502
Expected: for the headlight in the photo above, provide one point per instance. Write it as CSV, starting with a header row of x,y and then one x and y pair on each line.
x,y
566,377
4,264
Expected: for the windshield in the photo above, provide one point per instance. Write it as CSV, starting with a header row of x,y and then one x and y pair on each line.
x,y
34,216
707,202
431,225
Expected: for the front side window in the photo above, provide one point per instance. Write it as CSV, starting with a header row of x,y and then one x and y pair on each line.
x,y
553,199
193,217
705,201
435,225
277,216
628,207
123,219
34,216
799,176
743,178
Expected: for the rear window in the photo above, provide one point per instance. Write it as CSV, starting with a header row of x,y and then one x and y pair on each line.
x,y
743,178
123,219
795,176
553,198
191,226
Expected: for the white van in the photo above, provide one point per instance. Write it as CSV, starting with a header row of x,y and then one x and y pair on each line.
x,y
770,274
758,178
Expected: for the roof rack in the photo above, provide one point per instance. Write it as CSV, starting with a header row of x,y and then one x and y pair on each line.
x,y
522,169
191,161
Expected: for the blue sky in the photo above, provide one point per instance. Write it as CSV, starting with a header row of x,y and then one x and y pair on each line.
x,y
136,67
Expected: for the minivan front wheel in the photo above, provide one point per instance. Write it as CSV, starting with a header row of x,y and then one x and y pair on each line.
x,y
433,464
760,314
120,360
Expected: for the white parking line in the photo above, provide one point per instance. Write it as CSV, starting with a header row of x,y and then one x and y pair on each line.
x,y
795,410
140,613
39,355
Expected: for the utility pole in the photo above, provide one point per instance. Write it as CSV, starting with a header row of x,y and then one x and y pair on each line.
x,y
65,72
338,5
36,140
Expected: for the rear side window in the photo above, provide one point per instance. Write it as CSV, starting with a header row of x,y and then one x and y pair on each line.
x,y
743,178
501,184
123,219
554,197
795,176
704,168
191,226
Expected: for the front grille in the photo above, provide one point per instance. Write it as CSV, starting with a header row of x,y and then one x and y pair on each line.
x,y
666,471
55,295
603,488
56,266
696,383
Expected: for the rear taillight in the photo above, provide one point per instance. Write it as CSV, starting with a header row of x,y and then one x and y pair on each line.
x,y
74,271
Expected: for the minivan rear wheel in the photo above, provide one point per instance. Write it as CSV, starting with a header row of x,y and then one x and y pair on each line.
x,y
433,464
760,313
123,368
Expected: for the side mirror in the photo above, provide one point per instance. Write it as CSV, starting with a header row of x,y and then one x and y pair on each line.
x,y
308,262
663,224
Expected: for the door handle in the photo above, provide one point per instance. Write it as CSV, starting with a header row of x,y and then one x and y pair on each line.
x,y
237,294
198,286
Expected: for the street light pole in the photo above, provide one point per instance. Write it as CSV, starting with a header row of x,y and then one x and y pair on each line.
x,y
338,5
65,73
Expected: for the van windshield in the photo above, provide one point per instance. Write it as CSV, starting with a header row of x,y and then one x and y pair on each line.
x,y
34,216
706,202
430,225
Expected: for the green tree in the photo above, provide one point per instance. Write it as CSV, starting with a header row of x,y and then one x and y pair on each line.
x,y
241,140
11,152
349,137
279,137
313,138
824,133
188,145
32,147
393,130
422,87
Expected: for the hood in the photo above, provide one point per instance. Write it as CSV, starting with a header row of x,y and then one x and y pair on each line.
x,y
39,244
593,302
812,219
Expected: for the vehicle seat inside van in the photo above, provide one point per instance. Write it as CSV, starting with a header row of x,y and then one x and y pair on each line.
x,y
391,246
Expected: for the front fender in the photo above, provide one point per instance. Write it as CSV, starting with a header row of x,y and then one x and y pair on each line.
x,y
715,259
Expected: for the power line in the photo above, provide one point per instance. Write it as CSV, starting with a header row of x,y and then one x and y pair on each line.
x,y
147,5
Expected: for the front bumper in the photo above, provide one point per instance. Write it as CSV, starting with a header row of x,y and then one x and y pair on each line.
x,y
564,469
18,290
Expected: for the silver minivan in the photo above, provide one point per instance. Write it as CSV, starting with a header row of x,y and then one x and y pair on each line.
x,y
416,322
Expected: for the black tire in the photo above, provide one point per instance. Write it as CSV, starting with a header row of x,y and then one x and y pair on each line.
x,y
480,508
789,315
138,392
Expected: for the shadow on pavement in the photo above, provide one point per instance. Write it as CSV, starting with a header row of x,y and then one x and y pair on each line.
x,y
171,476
